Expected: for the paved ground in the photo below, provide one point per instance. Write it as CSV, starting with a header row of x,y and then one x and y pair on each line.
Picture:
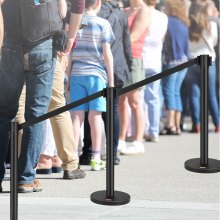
x,y
159,186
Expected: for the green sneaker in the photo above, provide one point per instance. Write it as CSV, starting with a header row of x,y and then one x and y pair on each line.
x,y
97,165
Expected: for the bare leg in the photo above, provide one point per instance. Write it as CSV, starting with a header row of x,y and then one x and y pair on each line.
x,y
170,118
95,121
134,100
123,117
77,118
177,121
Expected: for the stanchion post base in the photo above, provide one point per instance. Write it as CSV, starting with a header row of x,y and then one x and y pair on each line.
x,y
194,165
120,198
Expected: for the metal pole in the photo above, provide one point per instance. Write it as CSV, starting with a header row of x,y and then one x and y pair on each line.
x,y
204,70
110,98
110,196
13,172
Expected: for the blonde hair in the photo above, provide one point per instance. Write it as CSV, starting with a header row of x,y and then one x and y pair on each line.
x,y
199,19
177,8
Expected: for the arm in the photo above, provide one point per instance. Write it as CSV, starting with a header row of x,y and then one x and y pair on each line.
x,y
1,24
141,23
108,58
77,9
62,8
69,65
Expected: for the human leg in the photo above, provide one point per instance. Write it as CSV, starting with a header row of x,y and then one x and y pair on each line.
x,y
38,91
11,83
20,115
194,95
134,101
168,89
77,120
62,124
180,76
152,100
213,102
85,157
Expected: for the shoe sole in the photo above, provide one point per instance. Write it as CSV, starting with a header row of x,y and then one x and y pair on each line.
x,y
92,169
73,178
138,153
29,191
44,171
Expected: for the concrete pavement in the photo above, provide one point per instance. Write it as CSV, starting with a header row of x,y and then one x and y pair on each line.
x,y
159,186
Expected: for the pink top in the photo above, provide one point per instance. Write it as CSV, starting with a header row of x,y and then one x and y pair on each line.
x,y
137,46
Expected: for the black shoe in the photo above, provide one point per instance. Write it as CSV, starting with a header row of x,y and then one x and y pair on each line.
x,y
116,160
1,187
74,174
84,159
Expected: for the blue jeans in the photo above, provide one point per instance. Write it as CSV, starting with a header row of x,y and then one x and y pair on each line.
x,y
38,74
193,80
171,86
152,102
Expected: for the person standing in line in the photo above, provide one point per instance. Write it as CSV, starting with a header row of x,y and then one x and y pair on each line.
x,y
121,50
38,76
138,22
203,38
90,68
152,58
176,51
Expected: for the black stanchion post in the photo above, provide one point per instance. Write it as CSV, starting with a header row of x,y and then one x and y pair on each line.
x,y
203,164
110,196
13,172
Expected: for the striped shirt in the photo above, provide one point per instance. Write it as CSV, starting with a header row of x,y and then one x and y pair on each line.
x,y
87,56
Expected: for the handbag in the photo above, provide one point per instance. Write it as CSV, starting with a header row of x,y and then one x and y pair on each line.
x,y
39,20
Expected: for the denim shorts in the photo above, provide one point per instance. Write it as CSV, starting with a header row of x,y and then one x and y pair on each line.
x,y
83,86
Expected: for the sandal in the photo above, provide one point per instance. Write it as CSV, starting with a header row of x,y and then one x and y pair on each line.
x,y
168,131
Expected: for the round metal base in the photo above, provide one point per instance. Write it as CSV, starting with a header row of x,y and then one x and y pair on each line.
x,y
120,198
194,165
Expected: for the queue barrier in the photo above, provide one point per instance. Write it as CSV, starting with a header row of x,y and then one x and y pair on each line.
x,y
110,196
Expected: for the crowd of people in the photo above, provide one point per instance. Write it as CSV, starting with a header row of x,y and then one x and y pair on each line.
x,y
115,46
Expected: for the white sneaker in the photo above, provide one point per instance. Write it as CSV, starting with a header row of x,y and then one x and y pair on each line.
x,y
121,146
136,147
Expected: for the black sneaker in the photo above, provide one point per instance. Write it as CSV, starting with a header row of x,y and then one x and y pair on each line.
x,y
84,159
74,174
116,160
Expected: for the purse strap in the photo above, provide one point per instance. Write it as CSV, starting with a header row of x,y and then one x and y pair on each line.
x,y
207,44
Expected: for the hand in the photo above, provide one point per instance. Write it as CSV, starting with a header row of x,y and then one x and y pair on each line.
x,y
111,85
69,47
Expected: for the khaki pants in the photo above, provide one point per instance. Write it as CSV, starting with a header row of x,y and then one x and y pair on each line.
x,y
61,124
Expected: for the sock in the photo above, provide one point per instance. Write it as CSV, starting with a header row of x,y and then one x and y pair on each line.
x,y
96,155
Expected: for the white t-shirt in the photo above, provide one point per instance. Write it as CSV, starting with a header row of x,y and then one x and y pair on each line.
x,y
153,43
201,48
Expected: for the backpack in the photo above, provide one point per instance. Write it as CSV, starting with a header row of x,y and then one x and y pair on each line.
x,y
39,21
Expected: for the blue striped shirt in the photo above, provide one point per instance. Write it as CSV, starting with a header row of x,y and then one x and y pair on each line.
x,y
87,57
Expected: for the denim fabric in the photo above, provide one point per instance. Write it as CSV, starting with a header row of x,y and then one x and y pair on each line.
x,y
171,86
38,75
193,80
152,102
